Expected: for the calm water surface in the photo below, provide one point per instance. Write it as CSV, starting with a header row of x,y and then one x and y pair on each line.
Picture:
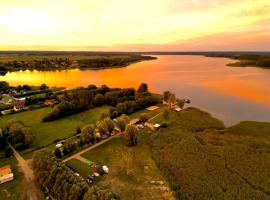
x,y
232,94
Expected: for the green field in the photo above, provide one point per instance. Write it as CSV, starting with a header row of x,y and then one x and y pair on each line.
x,y
128,175
12,190
83,169
46,132
204,161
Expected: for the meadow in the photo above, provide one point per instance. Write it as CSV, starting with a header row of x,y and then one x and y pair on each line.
x,y
131,169
46,132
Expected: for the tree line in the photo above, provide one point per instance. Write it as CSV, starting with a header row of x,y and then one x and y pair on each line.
x,y
126,100
60,181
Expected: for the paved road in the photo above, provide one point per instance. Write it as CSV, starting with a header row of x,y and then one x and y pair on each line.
x,y
78,155
30,187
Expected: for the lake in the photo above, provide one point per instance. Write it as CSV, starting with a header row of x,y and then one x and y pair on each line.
x,y
231,94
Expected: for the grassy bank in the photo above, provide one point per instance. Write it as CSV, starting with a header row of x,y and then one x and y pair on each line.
x,y
46,132
201,160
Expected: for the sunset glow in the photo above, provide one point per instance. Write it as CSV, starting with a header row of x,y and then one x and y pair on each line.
x,y
135,25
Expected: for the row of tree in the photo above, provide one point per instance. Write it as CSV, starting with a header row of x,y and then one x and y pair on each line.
x,y
19,135
90,133
129,107
81,99
62,183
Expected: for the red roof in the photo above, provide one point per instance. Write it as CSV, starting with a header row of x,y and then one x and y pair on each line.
x,y
5,167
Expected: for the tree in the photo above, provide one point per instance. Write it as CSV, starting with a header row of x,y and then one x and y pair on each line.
x,y
8,152
78,130
92,87
125,117
88,134
96,193
28,135
166,95
121,123
26,87
143,88
143,117
4,86
57,153
102,128
19,133
99,100
171,99
103,89
180,103
43,87
3,142
131,135
166,112
109,123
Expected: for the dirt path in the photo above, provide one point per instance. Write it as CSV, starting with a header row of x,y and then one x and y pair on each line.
x,y
155,116
78,155
30,188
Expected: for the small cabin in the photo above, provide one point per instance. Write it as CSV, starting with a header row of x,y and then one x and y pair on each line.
x,y
19,104
50,102
6,174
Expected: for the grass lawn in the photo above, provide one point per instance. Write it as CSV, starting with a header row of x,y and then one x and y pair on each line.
x,y
83,169
131,169
149,113
204,161
12,190
46,132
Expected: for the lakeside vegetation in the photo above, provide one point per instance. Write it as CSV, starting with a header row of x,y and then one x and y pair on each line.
x,y
202,160
42,63
251,60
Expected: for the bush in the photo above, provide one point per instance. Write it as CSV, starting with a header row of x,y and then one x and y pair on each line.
x,y
164,125
131,135
8,152
21,146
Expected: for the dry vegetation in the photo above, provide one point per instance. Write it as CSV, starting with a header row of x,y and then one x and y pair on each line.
x,y
132,170
203,161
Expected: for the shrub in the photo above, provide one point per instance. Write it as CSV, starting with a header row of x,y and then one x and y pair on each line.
x,y
131,135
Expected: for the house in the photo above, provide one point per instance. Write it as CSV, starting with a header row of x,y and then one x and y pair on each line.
x,y
177,109
19,104
7,99
152,126
13,93
50,102
6,174
152,108
75,63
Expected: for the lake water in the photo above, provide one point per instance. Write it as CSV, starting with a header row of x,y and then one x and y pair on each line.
x,y
232,94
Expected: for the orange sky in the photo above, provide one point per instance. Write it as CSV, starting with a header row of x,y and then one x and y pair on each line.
x,y
128,25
